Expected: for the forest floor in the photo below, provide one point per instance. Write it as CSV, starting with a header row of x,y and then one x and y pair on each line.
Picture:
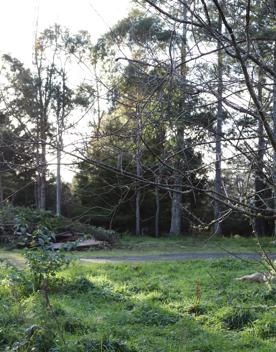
x,y
174,306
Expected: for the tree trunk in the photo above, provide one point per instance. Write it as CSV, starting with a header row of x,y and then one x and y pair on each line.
x,y
176,208
43,171
176,205
137,213
274,132
138,174
1,191
157,208
218,176
258,222
37,185
1,171
58,180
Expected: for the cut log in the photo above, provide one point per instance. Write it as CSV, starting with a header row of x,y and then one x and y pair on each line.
x,y
68,236
81,245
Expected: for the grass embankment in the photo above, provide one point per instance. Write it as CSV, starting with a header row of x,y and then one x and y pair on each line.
x,y
144,307
139,246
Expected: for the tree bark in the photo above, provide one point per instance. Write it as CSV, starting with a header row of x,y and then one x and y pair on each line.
x,y
1,191
43,167
157,209
176,205
58,180
1,171
138,174
274,132
258,222
218,175
176,208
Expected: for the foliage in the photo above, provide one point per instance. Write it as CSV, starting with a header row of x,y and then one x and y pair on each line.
x,y
36,339
22,226
44,263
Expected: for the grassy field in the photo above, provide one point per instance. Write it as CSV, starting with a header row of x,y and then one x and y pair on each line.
x,y
132,245
145,307
142,246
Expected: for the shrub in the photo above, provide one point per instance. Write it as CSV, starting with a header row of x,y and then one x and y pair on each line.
x,y
44,265
44,262
102,234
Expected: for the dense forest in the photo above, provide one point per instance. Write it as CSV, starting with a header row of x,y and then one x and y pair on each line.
x,y
181,102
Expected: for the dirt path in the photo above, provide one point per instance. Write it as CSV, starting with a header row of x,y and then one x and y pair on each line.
x,y
173,256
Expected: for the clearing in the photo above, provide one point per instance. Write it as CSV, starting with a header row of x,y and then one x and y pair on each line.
x,y
143,307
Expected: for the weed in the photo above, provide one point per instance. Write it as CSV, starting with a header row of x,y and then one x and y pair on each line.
x,y
237,318
74,325
78,285
36,339
266,326
150,316
105,345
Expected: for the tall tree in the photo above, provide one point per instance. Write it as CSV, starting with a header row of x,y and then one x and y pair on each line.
x,y
176,206
219,119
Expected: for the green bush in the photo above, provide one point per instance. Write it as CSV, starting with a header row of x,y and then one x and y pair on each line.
x,y
44,263
102,234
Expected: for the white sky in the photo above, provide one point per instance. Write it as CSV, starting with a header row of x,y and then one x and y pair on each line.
x,y
19,19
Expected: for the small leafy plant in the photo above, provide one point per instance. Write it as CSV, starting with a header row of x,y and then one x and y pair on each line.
x,y
44,263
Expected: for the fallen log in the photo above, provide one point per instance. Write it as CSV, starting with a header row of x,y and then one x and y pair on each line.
x,y
68,236
80,245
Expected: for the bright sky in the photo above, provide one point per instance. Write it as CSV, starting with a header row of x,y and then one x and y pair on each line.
x,y
20,18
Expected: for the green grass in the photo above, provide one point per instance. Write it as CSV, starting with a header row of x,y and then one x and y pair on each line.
x,y
14,256
140,246
144,307
132,245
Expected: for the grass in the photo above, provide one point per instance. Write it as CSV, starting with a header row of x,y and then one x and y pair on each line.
x,y
13,256
139,246
144,307
143,246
